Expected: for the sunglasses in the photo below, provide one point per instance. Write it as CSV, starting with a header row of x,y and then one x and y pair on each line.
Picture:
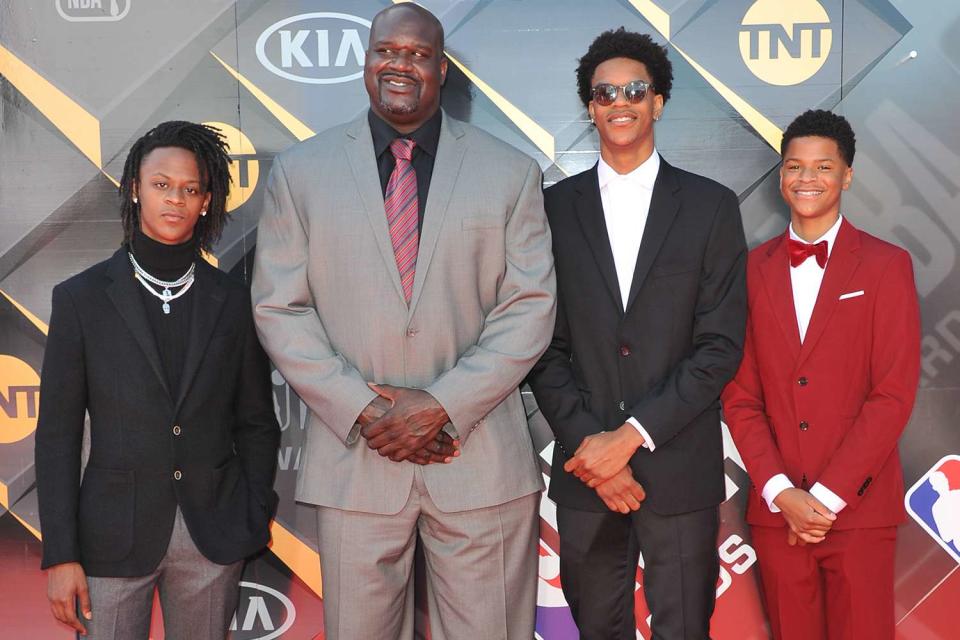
x,y
605,94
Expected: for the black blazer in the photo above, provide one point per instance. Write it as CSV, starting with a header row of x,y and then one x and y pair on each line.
x,y
218,432
667,358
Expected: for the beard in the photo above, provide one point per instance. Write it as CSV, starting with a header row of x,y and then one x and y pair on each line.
x,y
400,106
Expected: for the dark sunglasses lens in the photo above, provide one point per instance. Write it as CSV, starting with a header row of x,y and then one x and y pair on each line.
x,y
635,91
605,94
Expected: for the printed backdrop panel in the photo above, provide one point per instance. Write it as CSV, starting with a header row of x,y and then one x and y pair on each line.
x,y
80,80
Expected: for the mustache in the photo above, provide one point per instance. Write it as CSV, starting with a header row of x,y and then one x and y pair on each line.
x,y
393,74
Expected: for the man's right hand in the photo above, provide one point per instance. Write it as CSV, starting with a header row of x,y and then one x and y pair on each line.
x,y
66,583
621,493
809,520
442,449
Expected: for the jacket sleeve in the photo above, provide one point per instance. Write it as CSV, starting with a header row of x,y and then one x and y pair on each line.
x,y
894,375
745,415
517,330
257,434
718,333
286,318
63,405
555,388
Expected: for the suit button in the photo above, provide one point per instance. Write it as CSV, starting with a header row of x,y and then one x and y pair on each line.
x,y
411,333
804,426
622,405
624,350
176,429
802,381
177,475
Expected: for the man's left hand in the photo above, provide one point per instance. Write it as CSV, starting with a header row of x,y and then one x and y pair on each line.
x,y
413,420
600,456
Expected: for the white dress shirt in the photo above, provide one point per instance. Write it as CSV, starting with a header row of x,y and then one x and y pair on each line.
x,y
626,204
805,280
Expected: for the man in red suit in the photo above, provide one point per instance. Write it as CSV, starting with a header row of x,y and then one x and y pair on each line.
x,y
827,382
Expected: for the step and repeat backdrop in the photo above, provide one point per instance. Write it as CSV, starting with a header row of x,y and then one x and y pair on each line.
x,y
80,80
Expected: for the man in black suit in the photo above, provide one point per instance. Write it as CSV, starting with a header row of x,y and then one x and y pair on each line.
x,y
159,348
651,298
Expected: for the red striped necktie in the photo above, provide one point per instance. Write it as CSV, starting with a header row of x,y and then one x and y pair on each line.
x,y
402,207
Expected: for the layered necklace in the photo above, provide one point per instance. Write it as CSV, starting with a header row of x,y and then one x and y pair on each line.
x,y
165,294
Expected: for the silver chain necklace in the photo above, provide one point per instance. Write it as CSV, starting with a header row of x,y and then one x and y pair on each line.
x,y
185,281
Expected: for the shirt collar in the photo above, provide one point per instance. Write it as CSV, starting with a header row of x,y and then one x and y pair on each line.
x,y
830,236
427,136
643,176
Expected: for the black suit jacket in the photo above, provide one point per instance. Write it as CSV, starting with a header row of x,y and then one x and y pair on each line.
x,y
665,360
218,430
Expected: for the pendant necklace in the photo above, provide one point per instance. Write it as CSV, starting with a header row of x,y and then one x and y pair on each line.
x,y
185,281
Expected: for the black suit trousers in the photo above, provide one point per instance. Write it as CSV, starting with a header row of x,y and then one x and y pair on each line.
x,y
599,552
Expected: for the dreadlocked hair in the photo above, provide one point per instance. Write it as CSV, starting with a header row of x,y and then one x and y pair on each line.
x,y
209,147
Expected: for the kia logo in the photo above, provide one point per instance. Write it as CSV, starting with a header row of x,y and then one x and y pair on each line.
x,y
262,613
315,48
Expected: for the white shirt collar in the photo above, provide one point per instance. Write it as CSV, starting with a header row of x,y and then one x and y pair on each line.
x,y
830,236
643,176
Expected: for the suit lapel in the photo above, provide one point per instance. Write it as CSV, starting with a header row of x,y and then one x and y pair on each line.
x,y
208,298
124,295
841,266
589,209
446,169
363,163
775,270
664,204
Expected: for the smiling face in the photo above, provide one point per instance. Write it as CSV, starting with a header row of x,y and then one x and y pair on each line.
x,y
625,129
812,177
171,195
405,67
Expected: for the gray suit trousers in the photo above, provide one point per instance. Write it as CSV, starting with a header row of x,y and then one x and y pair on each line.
x,y
481,570
197,596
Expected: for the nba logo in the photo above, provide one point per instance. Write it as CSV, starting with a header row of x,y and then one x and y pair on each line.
x,y
934,502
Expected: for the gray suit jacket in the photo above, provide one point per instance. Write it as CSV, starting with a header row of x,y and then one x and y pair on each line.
x,y
330,312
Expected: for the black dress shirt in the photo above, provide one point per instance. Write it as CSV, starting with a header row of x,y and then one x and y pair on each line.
x,y
427,138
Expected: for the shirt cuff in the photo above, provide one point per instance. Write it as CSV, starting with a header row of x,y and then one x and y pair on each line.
x,y
774,487
829,499
647,440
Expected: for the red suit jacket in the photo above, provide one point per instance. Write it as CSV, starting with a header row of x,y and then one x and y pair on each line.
x,y
829,410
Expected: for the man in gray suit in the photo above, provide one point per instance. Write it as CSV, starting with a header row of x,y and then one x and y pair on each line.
x,y
406,323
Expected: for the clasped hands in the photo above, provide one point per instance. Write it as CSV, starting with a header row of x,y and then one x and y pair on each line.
x,y
407,424
601,462
808,519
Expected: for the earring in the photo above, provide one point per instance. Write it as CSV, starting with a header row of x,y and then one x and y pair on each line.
x,y
203,213
135,201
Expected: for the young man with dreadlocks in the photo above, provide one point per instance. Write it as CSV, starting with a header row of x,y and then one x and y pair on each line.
x,y
159,348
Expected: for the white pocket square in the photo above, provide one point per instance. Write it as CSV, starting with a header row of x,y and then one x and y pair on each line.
x,y
852,294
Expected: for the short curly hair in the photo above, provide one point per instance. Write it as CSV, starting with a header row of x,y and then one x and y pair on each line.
x,y
823,124
621,43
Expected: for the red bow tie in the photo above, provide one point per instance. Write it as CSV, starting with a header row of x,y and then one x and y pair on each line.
x,y
800,251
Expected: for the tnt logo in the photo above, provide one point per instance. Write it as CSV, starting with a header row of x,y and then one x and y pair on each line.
x,y
245,168
93,10
785,43
934,502
19,399
315,48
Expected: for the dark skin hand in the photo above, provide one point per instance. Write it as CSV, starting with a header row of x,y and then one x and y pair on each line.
x,y
66,584
442,449
410,428
622,493
808,520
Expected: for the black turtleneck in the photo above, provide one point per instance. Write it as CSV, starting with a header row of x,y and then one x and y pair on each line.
x,y
167,262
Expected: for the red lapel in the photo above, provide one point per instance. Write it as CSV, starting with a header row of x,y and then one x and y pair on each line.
x,y
775,270
842,264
